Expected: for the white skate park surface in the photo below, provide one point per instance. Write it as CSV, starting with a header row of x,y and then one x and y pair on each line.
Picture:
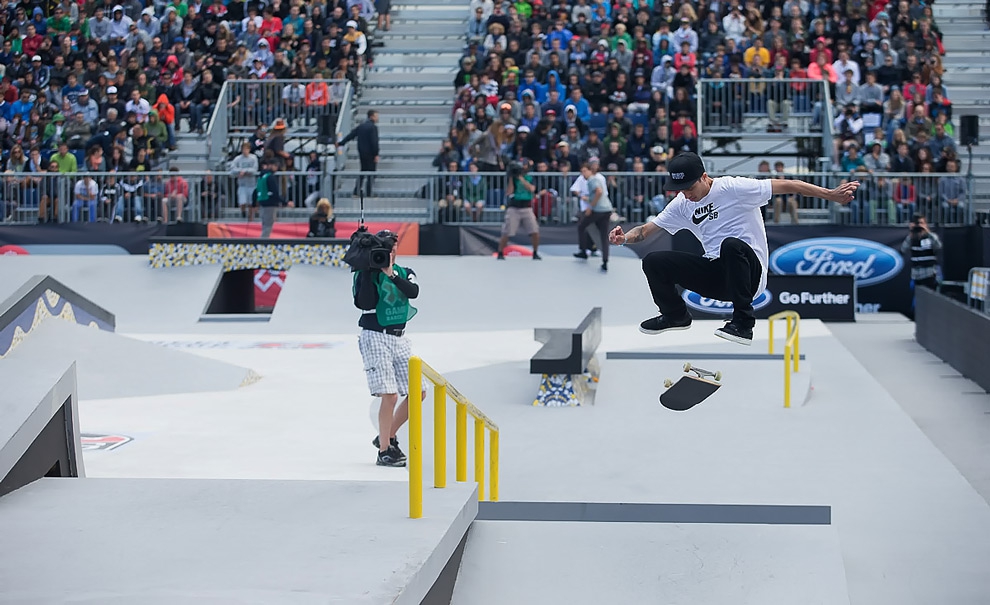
x,y
906,525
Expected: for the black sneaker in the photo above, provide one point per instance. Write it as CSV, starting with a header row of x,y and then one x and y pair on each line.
x,y
661,324
393,443
736,333
390,458
537,256
581,254
605,267
501,256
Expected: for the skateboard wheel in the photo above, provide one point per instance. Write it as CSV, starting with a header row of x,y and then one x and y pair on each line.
x,y
687,367
667,383
718,376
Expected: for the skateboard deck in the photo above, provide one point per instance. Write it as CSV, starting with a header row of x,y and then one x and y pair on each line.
x,y
689,391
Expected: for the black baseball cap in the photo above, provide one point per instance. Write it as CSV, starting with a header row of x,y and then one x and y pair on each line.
x,y
683,171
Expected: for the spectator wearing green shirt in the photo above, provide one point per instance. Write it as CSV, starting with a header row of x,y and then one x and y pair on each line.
x,y
66,161
59,22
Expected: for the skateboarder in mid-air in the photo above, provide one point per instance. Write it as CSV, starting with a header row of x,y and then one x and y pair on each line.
x,y
724,214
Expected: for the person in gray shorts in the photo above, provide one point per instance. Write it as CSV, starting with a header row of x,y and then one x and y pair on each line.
x,y
383,296
519,209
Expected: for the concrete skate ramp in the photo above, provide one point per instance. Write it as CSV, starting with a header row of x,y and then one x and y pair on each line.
x,y
594,563
39,423
142,299
317,299
226,541
110,365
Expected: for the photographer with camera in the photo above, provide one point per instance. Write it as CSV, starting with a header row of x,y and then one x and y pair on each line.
x,y
382,290
520,191
923,246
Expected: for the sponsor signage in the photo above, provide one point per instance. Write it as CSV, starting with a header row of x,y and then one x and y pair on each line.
x,y
869,262
825,297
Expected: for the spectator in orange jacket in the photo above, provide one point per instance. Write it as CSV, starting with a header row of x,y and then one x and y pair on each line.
x,y
166,113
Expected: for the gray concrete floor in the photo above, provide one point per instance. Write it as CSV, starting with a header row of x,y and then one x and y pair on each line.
x,y
952,411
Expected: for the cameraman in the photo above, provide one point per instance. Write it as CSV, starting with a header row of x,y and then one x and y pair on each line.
x,y
520,191
923,246
383,296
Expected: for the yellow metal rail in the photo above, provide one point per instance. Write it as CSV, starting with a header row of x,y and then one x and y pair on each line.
x,y
441,391
792,352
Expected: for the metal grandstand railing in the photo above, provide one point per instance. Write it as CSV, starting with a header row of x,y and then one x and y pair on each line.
x,y
884,198
243,104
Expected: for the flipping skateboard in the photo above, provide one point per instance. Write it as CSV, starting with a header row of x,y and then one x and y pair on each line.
x,y
689,391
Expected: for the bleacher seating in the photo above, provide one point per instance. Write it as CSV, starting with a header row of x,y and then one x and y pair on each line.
x,y
680,45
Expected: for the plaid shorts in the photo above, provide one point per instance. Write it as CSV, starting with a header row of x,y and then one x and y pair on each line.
x,y
386,362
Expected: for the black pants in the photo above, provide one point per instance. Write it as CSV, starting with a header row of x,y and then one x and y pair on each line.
x,y
367,165
601,221
734,276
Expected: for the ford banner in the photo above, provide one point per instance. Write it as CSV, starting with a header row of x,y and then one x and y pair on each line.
x,y
870,255
825,297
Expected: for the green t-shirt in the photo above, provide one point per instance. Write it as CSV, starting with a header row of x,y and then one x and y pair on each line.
x,y
522,196
66,163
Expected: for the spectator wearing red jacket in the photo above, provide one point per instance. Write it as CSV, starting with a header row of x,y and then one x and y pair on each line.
x,y
176,194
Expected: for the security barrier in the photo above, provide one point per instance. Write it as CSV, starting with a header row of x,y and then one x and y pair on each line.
x,y
792,353
442,388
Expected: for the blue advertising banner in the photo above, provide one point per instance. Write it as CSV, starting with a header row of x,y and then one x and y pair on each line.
x,y
869,254
825,297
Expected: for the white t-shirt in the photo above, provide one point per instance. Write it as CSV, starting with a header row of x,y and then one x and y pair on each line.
x,y
731,209
580,189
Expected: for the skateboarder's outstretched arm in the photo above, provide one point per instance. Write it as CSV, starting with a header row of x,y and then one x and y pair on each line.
x,y
636,234
842,194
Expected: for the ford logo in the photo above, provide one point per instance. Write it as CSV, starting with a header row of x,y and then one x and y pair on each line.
x,y
869,262
721,307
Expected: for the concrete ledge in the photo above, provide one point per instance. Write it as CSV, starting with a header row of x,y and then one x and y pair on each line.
x,y
226,541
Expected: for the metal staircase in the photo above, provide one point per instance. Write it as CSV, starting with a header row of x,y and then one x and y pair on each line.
x,y
411,86
967,77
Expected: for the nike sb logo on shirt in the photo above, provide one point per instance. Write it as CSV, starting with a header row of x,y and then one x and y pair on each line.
x,y
708,212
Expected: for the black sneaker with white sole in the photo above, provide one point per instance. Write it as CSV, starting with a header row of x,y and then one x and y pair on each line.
x,y
390,458
661,324
735,332
393,443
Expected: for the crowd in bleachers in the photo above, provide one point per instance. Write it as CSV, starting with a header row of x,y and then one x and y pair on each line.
x,y
90,87
560,81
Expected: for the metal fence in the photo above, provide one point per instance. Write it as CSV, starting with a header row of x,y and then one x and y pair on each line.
x,y
883,198
451,197
762,105
308,106
145,196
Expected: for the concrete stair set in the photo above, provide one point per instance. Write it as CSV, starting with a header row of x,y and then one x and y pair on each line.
x,y
967,77
411,87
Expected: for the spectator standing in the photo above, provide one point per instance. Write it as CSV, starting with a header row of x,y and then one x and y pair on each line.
x,y
366,134
269,197
520,191
599,211
922,245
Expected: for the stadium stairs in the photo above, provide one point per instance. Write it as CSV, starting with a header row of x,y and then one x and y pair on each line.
x,y
967,77
411,86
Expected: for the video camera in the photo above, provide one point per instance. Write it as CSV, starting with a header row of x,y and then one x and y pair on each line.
x,y
370,251
516,169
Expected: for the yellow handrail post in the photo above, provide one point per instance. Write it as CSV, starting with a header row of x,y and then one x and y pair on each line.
x,y
479,457
770,326
461,444
787,373
440,435
415,438
797,344
493,464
